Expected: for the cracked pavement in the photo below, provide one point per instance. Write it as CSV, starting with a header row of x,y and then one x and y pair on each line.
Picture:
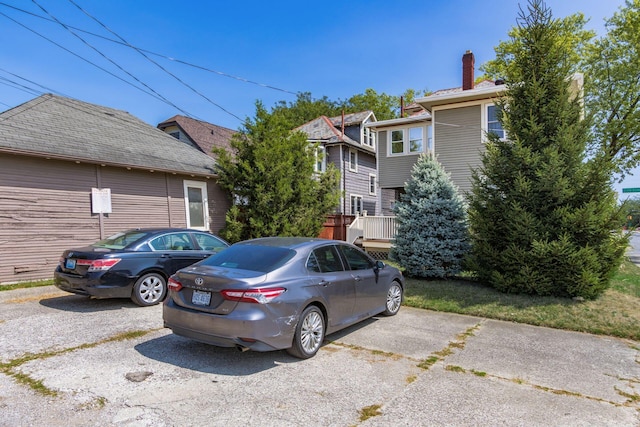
x,y
481,372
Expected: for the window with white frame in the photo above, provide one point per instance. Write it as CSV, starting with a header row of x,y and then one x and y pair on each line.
x,y
356,204
321,159
416,140
353,160
408,141
372,184
369,137
397,141
493,124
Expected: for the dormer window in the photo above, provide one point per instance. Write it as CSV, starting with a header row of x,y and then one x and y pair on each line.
x,y
175,134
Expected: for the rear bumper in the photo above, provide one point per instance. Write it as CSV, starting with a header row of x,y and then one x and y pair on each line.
x,y
97,284
252,329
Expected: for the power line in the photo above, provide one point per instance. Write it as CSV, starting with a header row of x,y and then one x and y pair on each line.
x,y
154,62
168,58
79,57
33,83
112,61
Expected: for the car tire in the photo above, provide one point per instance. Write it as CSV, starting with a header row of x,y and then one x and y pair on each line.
x,y
394,299
149,289
309,333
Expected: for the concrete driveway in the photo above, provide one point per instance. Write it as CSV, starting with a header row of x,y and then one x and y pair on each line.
x,y
418,368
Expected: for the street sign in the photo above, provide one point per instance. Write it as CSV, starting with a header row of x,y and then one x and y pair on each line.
x,y
631,190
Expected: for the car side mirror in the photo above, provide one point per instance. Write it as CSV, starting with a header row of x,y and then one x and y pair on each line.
x,y
379,265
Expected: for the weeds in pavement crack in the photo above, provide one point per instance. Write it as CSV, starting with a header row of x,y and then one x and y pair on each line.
x,y
10,368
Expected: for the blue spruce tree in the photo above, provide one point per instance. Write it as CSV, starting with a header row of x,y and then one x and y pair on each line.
x,y
432,237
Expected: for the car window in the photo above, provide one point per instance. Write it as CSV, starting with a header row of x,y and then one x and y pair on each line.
x,y
356,259
172,242
251,257
325,260
209,243
120,240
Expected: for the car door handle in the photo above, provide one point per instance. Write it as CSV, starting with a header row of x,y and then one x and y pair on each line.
x,y
165,256
357,278
324,283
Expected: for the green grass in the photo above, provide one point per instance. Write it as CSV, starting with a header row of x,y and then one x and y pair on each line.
x,y
26,285
615,313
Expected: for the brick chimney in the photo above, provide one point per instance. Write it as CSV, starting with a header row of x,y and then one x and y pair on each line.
x,y
468,64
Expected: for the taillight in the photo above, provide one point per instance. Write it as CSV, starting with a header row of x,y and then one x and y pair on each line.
x,y
260,296
98,264
174,285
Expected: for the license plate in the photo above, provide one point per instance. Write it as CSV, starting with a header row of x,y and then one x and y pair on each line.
x,y
70,264
201,297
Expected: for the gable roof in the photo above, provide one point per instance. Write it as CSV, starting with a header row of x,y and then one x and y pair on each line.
x,y
52,126
329,130
203,135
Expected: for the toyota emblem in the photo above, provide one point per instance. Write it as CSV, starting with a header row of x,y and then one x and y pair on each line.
x,y
199,281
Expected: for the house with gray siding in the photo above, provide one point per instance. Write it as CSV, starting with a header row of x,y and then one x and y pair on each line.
x,y
453,125
72,173
347,143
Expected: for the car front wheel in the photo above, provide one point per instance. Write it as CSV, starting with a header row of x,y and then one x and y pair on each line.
x,y
309,333
149,289
394,299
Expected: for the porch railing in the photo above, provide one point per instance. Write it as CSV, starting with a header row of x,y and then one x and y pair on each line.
x,y
372,228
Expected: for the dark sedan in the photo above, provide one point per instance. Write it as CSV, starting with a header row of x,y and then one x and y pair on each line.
x,y
280,293
134,264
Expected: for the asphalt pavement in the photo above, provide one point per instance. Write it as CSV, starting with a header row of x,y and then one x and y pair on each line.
x,y
419,368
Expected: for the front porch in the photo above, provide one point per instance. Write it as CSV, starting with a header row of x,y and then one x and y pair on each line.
x,y
374,234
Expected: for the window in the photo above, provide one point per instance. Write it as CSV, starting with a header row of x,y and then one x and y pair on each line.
x,y
172,242
372,184
353,160
493,125
209,243
321,159
356,205
369,137
409,141
415,140
325,260
397,141
196,203
175,134
356,260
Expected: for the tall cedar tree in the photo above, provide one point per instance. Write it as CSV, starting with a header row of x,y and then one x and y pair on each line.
x,y
270,176
542,215
432,238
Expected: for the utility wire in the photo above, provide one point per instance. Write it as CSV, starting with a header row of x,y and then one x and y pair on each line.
x,y
154,62
220,73
112,61
80,57
33,83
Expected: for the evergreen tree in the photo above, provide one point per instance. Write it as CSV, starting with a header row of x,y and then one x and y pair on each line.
x,y
432,231
270,176
541,214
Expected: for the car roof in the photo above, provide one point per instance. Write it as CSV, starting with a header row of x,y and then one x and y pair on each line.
x,y
287,242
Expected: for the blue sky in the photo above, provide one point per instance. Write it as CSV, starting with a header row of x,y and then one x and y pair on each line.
x,y
332,48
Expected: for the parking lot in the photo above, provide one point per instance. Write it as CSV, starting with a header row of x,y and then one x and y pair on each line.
x,y
71,360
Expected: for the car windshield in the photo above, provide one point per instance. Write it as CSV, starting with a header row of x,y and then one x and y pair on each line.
x,y
251,257
120,240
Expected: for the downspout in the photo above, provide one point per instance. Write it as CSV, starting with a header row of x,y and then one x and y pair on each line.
x,y
100,218
344,196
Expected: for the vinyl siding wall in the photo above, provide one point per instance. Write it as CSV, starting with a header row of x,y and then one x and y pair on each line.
x,y
356,183
394,171
458,142
45,208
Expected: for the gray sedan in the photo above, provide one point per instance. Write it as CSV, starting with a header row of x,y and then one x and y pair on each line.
x,y
280,293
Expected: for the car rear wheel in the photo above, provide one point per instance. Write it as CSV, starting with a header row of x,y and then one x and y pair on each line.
x,y
394,299
309,333
149,289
